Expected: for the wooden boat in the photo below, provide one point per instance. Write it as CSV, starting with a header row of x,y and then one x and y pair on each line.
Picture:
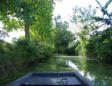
x,y
51,79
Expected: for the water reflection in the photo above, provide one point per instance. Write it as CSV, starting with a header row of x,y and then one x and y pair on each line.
x,y
72,65
96,73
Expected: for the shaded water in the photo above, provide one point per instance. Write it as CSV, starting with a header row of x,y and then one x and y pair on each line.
x,y
96,73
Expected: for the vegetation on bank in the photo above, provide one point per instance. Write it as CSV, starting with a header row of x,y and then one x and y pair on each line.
x,y
21,55
94,38
100,46
44,38
40,41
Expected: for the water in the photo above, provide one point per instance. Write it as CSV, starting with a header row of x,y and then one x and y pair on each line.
x,y
96,73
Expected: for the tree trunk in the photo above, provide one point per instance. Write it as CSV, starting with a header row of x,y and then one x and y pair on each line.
x,y
27,32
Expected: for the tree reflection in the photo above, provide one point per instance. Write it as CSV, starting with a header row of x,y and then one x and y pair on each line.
x,y
96,73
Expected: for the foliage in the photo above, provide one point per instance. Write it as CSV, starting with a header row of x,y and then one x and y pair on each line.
x,y
3,34
99,46
83,18
91,42
6,63
28,52
63,37
107,15
41,29
81,48
33,17
85,24
71,50
25,52
27,14
22,54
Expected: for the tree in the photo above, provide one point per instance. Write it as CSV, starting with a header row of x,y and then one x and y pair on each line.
x,y
99,46
62,36
3,34
12,11
25,13
41,29
107,16
83,19
85,24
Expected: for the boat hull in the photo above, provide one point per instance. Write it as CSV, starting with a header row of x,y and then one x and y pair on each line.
x,y
51,79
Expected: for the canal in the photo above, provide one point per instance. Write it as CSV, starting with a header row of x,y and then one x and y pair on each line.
x,y
96,73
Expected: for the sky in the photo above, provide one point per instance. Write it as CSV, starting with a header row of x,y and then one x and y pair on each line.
x,y
63,8
13,34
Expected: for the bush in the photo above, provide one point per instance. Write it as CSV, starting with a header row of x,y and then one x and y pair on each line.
x,y
28,52
47,51
6,62
25,52
71,50
100,46
21,55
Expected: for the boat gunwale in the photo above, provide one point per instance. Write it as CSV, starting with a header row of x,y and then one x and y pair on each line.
x,y
32,74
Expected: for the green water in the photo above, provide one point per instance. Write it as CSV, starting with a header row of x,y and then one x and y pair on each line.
x,y
96,73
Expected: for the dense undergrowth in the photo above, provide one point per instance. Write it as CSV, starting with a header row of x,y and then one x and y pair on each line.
x,y
94,39
100,46
21,55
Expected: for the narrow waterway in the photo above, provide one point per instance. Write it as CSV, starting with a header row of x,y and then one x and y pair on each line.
x,y
96,73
